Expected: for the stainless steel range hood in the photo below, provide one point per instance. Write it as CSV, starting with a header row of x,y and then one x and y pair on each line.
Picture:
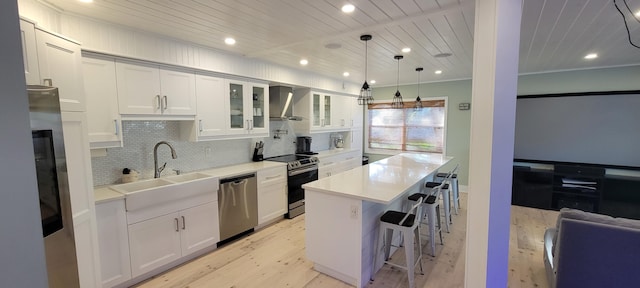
x,y
281,104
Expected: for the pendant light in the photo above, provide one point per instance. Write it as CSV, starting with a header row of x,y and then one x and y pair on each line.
x,y
397,98
365,97
418,105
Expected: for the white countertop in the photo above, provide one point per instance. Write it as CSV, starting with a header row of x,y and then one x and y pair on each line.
x,y
382,181
105,194
234,170
332,152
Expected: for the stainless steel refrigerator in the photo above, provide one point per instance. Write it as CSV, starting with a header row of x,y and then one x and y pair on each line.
x,y
53,186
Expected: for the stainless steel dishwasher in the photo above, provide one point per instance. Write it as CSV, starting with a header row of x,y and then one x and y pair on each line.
x,y
237,205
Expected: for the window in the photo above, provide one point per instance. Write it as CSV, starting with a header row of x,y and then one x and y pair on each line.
x,y
408,129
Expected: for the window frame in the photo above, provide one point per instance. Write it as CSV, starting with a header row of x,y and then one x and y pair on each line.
x,y
380,151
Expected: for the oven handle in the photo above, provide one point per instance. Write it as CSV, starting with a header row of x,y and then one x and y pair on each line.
x,y
298,172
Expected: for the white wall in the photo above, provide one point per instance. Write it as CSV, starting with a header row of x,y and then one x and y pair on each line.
x,y
21,244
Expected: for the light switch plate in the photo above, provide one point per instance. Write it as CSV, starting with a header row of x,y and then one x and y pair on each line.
x,y
464,106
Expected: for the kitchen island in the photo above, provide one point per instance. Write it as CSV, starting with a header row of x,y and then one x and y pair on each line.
x,y
342,211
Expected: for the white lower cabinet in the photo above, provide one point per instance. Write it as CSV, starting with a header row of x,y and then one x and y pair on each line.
x,y
113,240
78,161
272,194
199,228
164,239
334,164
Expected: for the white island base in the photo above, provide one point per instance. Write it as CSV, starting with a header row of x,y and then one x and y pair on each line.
x,y
342,212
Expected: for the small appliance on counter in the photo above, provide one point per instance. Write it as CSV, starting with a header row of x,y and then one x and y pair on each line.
x,y
338,141
257,152
303,145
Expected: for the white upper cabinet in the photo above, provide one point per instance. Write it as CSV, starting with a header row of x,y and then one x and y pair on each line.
x,y
102,103
149,90
178,92
211,119
29,52
321,112
248,108
228,109
60,66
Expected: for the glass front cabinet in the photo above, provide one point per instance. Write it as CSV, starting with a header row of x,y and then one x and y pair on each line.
x,y
321,111
248,108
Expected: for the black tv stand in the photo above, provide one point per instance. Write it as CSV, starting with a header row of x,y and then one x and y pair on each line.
x,y
576,186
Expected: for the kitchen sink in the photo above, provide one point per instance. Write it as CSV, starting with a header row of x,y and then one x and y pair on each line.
x,y
187,177
171,189
141,185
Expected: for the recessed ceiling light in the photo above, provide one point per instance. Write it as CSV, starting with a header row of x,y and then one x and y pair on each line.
x,y
406,50
348,8
304,62
345,74
591,56
86,1
438,72
373,81
638,13
229,41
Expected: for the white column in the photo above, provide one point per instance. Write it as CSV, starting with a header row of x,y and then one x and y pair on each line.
x,y
495,76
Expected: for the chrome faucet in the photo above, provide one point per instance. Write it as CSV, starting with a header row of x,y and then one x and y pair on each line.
x,y
157,170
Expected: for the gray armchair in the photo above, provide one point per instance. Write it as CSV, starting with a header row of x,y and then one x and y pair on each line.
x,y
592,250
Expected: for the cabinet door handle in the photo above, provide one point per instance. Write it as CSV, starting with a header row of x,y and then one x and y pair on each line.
x,y
351,122
157,102
177,228
115,123
251,124
165,103
184,223
247,124
272,177
200,125
47,82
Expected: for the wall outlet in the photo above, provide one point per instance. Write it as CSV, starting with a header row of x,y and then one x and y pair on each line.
x,y
354,212
207,152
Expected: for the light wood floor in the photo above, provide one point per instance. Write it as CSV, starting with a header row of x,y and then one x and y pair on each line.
x,y
275,257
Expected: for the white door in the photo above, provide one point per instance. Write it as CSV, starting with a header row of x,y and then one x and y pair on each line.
x,y
153,243
199,227
60,66
114,243
212,117
178,92
138,89
102,103
29,52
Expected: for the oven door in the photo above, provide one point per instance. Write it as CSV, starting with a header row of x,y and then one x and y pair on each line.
x,y
296,179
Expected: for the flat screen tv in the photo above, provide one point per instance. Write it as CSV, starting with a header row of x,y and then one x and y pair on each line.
x,y
593,128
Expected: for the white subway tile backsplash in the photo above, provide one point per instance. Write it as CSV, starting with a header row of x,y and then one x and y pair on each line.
x,y
141,136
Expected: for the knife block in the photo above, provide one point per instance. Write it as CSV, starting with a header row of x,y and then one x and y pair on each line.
x,y
257,156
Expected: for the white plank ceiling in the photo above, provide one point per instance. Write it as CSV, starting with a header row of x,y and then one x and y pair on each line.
x,y
555,34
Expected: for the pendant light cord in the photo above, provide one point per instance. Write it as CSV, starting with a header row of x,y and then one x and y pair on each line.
x,y
398,78
366,59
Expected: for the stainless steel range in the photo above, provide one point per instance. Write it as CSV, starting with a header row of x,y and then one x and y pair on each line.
x,y
301,169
